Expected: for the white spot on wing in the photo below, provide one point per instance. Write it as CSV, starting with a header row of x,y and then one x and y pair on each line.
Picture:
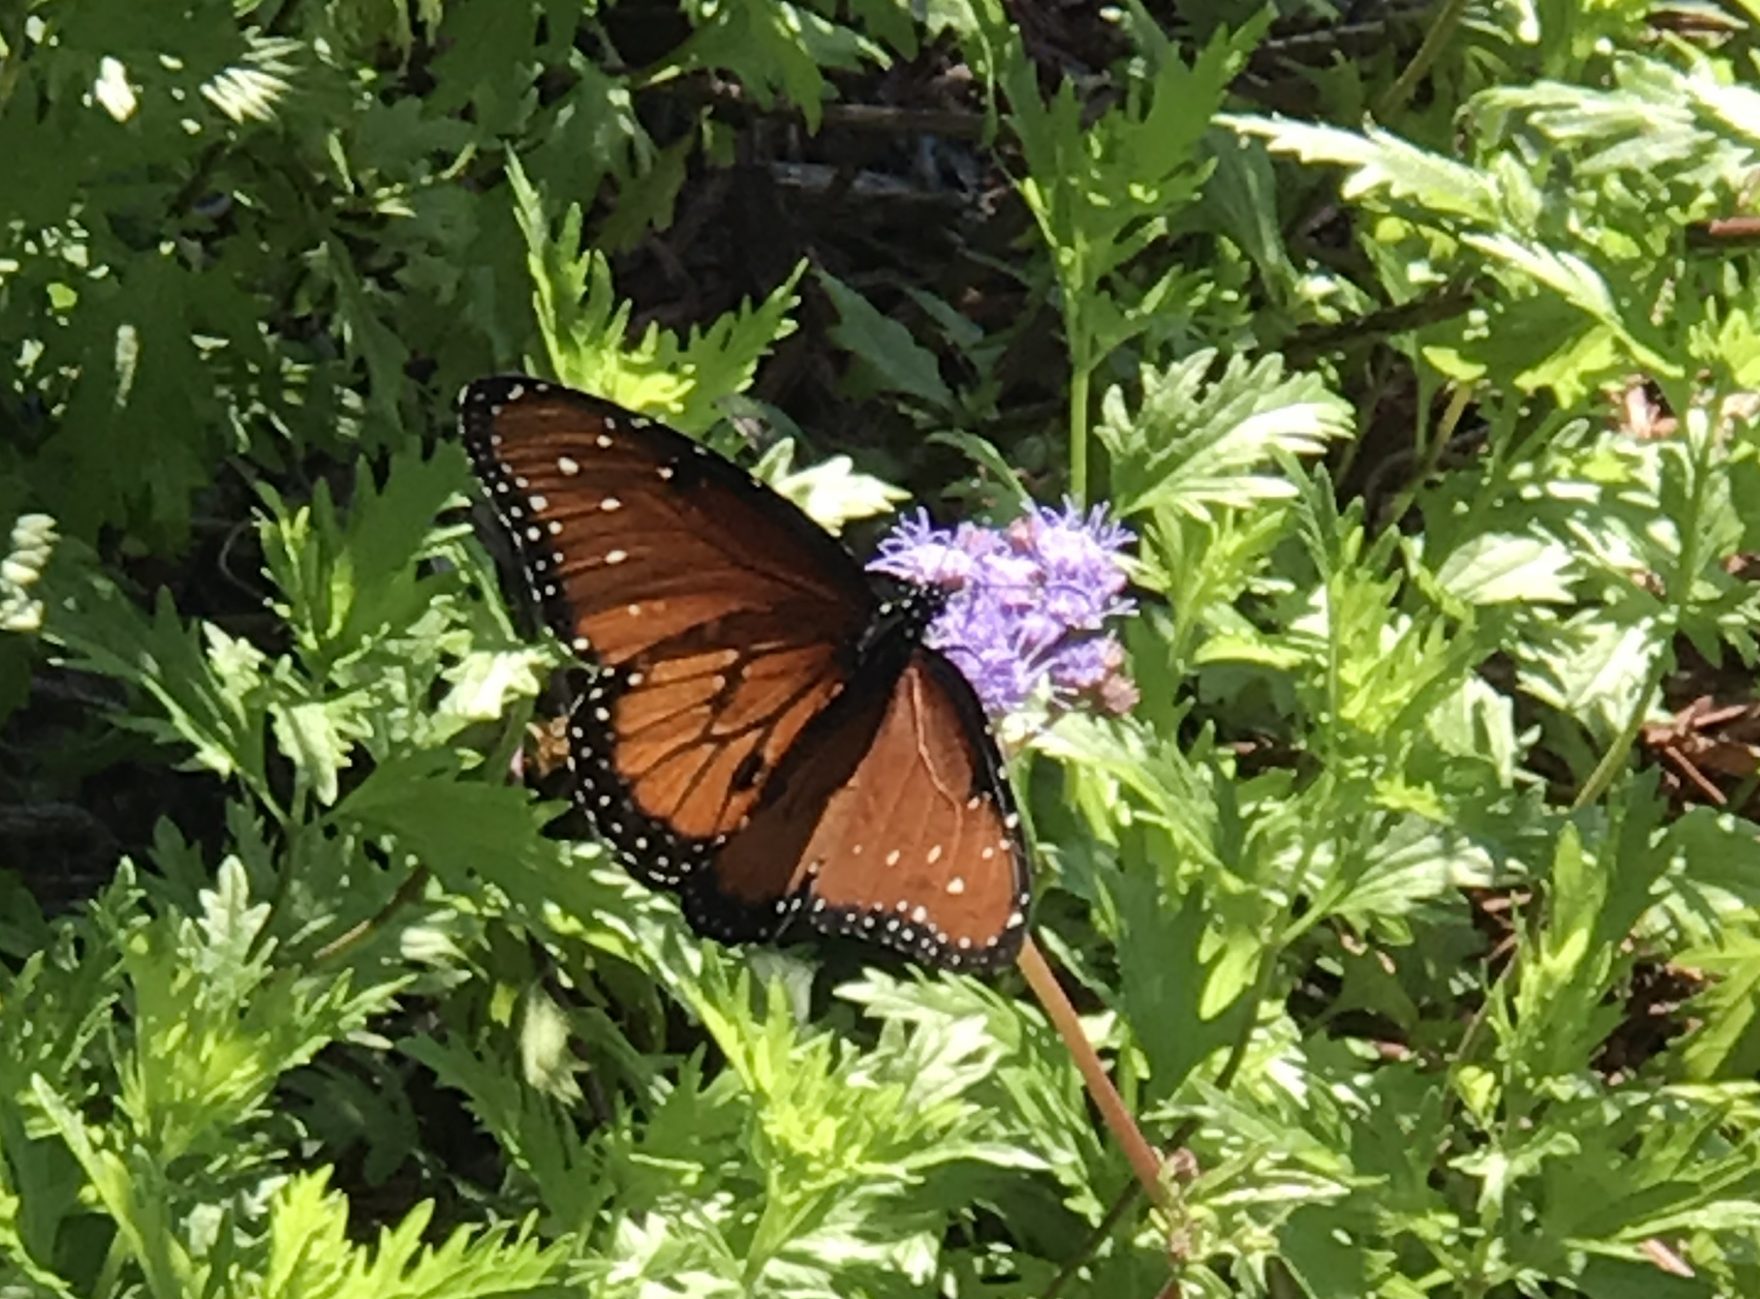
x,y
568,465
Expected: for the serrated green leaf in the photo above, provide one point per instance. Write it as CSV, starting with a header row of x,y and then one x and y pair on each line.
x,y
1577,282
214,702
318,736
1381,163
310,1255
1593,667
831,492
1196,444
485,681
213,1028
127,1191
1103,191
1497,568
773,46
584,326
884,346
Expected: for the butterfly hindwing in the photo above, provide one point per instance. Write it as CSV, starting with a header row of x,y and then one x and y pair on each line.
x,y
921,847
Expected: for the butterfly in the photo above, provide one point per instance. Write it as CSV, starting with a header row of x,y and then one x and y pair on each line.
x,y
762,729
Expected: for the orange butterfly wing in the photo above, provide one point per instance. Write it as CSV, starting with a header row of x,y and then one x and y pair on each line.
x,y
760,731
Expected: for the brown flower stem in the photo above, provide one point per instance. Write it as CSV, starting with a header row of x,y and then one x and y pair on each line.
x,y
1145,1163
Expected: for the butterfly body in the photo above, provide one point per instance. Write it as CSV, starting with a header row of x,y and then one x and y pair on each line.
x,y
762,730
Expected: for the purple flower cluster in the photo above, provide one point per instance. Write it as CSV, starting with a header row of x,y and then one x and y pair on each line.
x,y
1027,603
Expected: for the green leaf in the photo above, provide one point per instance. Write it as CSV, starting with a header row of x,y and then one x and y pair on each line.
x,y
532,1130
1497,568
1578,283
213,1028
773,47
1412,861
485,682
130,1191
1597,889
310,1255
884,346
1104,191
1726,1043
646,201
1196,444
317,735
1382,165
831,492
361,313
346,586
1328,1251
253,87
1594,667
1184,980
213,702
584,326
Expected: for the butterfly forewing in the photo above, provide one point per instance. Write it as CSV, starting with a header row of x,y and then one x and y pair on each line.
x,y
717,614
632,535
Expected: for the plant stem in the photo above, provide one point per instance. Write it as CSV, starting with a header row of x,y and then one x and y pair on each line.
x,y
1620,749
1121,1204
1145,1163
1305,346
1078,431
1434,449
348,940
1441,30
12,66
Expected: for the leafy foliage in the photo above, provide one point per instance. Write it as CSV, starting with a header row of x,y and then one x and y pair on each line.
x,y
584,325
1415,902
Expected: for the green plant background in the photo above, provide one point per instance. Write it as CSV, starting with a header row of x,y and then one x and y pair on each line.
x,y
1406,337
